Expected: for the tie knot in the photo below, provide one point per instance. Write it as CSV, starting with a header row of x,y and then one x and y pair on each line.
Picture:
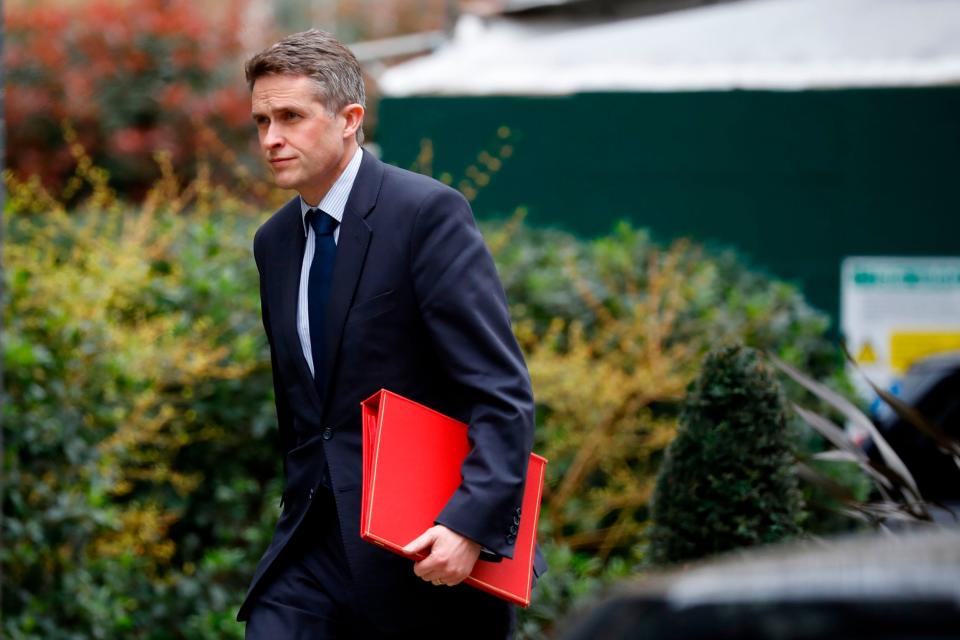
x,y
322,222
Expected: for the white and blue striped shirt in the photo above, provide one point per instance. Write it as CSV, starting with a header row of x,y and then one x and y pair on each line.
x,y
333,204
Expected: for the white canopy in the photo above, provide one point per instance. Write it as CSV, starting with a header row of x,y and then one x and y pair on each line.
x,y
755,44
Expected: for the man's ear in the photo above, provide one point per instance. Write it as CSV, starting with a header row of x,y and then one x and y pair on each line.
x,y
353,117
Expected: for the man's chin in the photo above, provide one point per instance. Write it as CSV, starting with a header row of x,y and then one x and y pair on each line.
x,y
284,182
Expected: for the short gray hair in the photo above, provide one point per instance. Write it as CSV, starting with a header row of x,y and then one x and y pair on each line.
x,y
322,58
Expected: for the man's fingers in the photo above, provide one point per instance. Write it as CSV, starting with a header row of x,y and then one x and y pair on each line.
x,y
435,571
433,567
451,556
423,542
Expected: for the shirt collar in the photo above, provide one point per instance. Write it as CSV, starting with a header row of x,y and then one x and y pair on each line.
x,y
336,199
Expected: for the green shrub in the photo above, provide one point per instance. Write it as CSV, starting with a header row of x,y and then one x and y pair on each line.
x,y
728,479
141,476
614,330
138,490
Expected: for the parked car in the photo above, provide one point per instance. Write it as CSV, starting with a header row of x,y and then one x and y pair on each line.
x,y
932,387
877,587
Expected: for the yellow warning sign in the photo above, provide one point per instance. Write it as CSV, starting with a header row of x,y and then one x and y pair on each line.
x,y
907,347
867,355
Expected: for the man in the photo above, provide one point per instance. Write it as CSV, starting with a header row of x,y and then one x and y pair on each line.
x,y
375,277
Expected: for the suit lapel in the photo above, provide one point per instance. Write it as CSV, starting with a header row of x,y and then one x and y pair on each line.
x,y
292,260
352,245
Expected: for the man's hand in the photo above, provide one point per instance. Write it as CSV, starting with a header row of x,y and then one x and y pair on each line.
x,y
450,556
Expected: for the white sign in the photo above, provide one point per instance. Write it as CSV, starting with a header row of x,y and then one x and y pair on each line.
x,y
896,311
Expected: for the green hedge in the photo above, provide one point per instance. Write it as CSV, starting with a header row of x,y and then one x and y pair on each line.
x,y
141,473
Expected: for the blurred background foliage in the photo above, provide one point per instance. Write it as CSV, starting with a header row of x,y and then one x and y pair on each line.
x,y
614,330
135,77
140,492
165,75
140,470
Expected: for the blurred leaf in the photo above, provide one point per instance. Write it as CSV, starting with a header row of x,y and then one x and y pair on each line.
x,y
847,408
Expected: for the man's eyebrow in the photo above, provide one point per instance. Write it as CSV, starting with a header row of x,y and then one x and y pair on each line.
x,y
280,108
262,109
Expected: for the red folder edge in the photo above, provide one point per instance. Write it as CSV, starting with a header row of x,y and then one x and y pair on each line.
x,y
372,410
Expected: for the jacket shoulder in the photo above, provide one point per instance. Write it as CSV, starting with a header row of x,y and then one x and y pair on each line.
x,y
413,185
274,226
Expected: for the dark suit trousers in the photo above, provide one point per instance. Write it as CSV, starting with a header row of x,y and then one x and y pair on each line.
x,y
308,595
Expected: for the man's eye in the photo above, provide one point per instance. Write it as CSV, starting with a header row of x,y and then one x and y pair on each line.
x,y
291,116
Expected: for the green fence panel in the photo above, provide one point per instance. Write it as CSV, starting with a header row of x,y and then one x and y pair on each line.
x,y
794,181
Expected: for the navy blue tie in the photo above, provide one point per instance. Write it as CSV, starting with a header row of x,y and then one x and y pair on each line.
x,y
318,288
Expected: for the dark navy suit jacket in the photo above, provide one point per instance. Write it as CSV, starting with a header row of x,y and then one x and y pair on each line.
x,y
415,307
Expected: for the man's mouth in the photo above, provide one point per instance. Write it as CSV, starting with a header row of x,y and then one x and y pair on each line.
x,y
279,161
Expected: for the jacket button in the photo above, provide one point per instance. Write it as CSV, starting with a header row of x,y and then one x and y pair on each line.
x,y
517,511
310,495
510,539
513,530
516,520
327,433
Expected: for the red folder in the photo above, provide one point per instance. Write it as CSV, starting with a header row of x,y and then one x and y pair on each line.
x,y
411,467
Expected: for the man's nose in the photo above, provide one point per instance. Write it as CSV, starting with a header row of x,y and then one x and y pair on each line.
x,y
272,137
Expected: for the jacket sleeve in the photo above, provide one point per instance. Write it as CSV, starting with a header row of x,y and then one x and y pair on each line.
x,y
465,311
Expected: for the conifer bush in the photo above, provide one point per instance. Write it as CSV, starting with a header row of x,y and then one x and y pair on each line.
x,y
727,480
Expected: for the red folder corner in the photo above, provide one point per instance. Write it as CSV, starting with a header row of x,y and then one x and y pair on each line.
x,y
411,467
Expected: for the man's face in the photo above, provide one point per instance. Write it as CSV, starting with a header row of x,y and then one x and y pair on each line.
x,y
306,146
